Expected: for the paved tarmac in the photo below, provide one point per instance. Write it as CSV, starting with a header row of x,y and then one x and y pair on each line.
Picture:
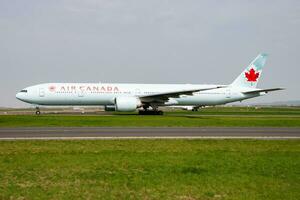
x,y
45,133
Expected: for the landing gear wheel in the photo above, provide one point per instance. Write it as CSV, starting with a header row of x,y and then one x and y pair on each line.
x,y
151,112
195,109
37,112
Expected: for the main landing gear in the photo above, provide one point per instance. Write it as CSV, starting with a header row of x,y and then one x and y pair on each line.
x,y
195,109
151,112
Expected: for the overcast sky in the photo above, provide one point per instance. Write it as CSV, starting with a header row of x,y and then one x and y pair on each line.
x,y
142,41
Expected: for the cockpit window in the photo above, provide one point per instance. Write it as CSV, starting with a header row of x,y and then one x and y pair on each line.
x,y
24,91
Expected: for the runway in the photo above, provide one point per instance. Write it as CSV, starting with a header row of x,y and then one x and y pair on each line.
x,y
59,133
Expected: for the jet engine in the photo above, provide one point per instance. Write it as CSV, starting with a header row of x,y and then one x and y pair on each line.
x,y
127,104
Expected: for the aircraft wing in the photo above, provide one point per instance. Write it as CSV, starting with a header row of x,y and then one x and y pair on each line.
x,y
262,90
163,97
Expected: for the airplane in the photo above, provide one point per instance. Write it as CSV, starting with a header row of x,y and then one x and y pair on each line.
x,y
147,98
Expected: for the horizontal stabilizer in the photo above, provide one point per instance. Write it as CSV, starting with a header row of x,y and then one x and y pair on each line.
x,y
262,90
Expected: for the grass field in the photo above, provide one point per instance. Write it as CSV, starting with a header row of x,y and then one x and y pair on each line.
x,y
221,117
150,169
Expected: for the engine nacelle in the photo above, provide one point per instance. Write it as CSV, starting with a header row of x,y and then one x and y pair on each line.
x,y
127,104
110,108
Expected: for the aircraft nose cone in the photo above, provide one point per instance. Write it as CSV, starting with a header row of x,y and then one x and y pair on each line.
x,y
18,96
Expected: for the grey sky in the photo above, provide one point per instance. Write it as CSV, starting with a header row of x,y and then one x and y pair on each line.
x,y
157,41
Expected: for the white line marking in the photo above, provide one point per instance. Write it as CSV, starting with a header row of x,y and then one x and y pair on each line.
x,y
153,138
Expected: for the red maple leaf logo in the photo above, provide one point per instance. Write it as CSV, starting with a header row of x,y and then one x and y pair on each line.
x,y
52,88
252,75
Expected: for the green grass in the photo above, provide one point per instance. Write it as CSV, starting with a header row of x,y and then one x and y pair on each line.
x,y
148,121
150,169
243,111
208,117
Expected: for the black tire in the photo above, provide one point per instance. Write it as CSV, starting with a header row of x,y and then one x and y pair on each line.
x,y
141,112
38,112
160,112
150,112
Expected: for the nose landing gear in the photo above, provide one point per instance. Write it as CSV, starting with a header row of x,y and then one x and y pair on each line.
x,y
37,112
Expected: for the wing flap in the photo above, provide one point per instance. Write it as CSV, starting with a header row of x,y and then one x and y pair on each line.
x,y
163,97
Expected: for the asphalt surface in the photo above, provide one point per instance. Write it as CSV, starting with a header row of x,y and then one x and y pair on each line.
x,y
116,133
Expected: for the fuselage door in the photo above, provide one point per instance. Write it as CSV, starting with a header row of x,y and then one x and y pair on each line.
x,y
81,93
41,92
228,93
137,92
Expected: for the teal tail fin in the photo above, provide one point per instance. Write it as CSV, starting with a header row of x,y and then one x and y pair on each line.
x,y
250,76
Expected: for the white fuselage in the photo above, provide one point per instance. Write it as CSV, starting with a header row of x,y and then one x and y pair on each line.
x,y
106,93
129,97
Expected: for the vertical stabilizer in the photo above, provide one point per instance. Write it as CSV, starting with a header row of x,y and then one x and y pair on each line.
x,y
250,76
